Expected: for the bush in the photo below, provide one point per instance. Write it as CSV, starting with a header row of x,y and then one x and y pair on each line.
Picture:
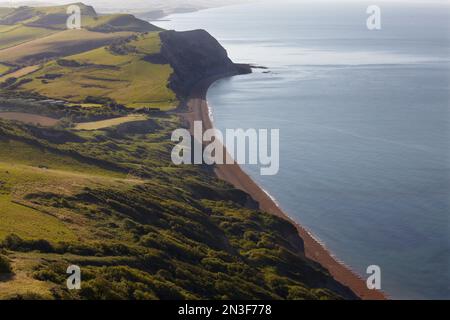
x,y
16,243
12,242
5,265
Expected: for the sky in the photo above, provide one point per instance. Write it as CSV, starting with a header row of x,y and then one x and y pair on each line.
x,y
128,5
189,2
168,5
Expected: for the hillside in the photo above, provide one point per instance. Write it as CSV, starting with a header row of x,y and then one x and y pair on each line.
x,y
45,17
86,176
55,18
118,72
194,55
33,35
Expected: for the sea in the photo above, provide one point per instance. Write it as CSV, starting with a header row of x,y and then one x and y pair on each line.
x,y
364,122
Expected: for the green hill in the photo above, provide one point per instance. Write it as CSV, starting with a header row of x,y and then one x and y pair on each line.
x,y
5,11
86,175
56,17
34,35
117,72
120,22
17,34
140,228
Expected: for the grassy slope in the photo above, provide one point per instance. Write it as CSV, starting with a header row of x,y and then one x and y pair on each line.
x,y
111,201
59,44
53,17
3,69
115,22
163,231
11,36
23,284
18,73
24,154
30,26
96,125
5,11
6,28
130,80
30,223
18,27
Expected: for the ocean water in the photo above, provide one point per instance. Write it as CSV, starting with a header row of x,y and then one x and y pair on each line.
x,y
364,126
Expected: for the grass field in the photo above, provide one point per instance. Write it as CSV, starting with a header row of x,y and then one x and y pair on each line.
x,y
96,125
152,230
24,154
126,78
3,69
101,21
47,16
58,44
22,283
12,36
111,200
19,73
29,118
5,11
117,22
7,28
29,223
55,17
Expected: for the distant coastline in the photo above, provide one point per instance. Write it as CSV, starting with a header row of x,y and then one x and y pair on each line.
x,y
198,110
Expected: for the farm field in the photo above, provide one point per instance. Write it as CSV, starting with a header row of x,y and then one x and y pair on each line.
x,y
20,73
96,125
29,118
58,44
11,36
4,69
126,78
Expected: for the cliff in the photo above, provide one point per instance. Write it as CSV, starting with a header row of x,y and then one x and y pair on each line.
x,y
194,56
55,18
110,199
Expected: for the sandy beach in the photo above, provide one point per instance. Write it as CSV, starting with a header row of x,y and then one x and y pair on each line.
x,y
197,110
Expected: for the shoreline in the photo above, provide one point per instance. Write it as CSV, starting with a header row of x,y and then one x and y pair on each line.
x,y
198,110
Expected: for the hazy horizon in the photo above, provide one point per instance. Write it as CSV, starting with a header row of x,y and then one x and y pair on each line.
x,y
129,5
181,3
172,6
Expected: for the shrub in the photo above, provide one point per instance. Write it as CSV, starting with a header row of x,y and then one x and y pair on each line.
x,y
14,242
5,265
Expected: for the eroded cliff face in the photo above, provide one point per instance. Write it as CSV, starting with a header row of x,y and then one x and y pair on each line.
x,y
194,56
